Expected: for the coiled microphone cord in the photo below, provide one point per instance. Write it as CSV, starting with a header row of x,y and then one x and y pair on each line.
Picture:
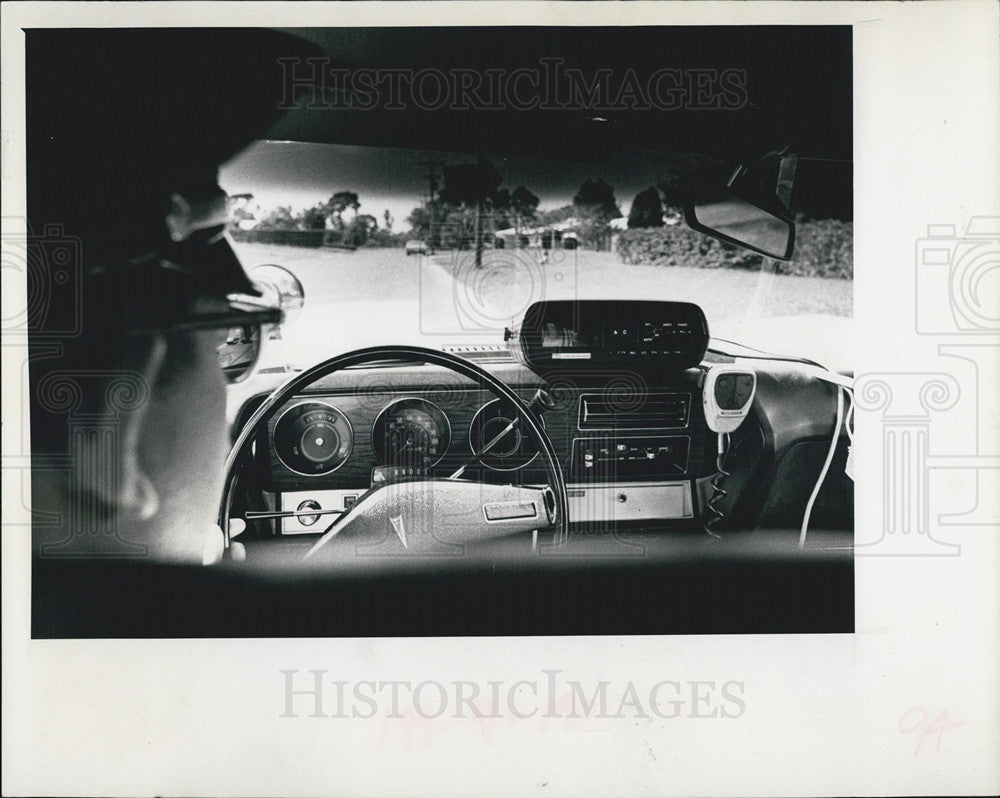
x,y
718,492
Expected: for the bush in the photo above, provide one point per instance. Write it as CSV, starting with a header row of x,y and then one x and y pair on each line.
x,y
823,248
295,238
382,238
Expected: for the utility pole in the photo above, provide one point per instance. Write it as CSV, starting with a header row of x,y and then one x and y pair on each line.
x,y
479,211
432,185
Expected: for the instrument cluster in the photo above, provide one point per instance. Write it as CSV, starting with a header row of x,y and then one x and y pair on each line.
x,y
409,435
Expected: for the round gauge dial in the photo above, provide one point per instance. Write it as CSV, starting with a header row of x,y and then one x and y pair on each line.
x,y
515,450
313,438
411,432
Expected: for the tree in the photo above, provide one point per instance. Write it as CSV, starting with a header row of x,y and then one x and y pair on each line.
x,y
280,218
647,209
314,218
468,183
672,191
340,202
673,197
524,206
244,211
473,189
550,217
500,213
598,198
595,206
361,229
427,221
388,219
470,206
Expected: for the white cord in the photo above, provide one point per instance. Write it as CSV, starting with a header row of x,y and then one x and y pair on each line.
x,y
813,371
849,418
826,466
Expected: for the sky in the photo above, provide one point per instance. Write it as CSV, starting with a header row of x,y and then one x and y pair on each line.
x,y
302,174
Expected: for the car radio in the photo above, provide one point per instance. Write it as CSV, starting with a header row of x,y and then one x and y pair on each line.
x,y
589,334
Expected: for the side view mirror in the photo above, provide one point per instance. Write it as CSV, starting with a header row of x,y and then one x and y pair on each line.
x,y
750,210
240,353
278,286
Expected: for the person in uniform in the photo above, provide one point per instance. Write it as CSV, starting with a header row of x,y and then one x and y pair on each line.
x,y
132,281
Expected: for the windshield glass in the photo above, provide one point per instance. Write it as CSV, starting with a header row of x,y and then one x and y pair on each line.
x,y
384,242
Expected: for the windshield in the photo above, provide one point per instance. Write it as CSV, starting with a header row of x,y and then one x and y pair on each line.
x,y
446,249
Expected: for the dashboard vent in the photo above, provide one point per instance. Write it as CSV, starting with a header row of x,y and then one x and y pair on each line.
x,y
653,410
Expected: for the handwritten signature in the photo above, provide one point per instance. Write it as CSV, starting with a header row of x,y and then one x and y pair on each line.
x,y
918,721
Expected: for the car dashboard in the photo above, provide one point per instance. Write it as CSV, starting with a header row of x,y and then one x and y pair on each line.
x,y
634,448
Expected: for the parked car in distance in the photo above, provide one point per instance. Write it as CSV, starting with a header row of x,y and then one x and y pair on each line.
x,y
416,247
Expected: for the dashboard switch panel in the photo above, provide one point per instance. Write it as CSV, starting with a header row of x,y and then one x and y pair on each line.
x,y
612,458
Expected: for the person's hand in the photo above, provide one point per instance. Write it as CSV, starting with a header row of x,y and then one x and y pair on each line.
x,y
215,543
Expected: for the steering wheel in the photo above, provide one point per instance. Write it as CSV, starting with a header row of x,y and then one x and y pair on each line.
x,y
475,511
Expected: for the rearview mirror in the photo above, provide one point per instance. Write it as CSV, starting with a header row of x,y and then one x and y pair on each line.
x,y
750,210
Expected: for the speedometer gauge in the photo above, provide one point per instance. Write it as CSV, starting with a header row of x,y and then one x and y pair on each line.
x,y
411,432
